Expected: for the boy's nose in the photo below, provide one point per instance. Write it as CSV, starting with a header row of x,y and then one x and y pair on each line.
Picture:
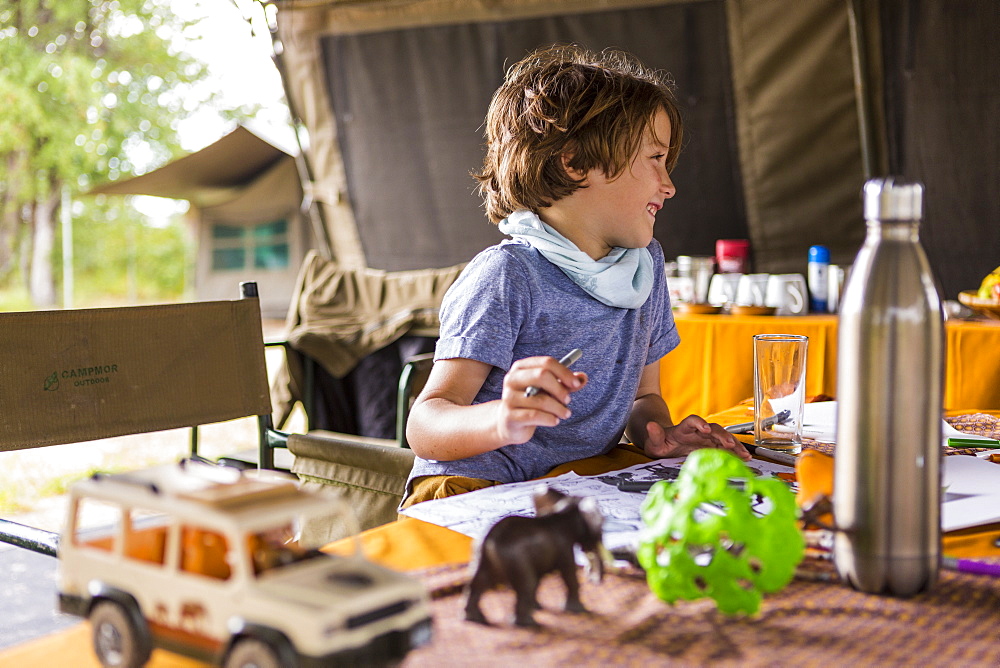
x,y
667,186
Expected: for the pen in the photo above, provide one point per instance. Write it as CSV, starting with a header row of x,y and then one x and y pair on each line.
x,y
970,566
747,427
636,485
566,361
771,455
646,485
973,442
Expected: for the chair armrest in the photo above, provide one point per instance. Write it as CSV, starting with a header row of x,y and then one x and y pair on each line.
x,y
350,450
367,474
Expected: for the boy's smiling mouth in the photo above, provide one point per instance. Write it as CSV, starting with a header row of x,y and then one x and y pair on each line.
x,y
652,208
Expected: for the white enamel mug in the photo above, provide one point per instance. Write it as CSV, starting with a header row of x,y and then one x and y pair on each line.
x,y
787,293
751,289
722,289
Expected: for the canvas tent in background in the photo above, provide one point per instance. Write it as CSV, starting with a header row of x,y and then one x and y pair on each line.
x,y
245,197
789,106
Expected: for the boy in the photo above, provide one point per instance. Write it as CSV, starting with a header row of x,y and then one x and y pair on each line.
x,y
579,151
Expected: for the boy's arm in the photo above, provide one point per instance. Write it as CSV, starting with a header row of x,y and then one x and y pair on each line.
x,y
651,427
444,425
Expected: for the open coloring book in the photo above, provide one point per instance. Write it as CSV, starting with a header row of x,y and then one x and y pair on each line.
x,y
474,513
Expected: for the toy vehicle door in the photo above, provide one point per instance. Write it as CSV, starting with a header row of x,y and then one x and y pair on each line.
x,y
196,611
146,570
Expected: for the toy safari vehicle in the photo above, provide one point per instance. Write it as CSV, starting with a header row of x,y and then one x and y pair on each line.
x,y
199,562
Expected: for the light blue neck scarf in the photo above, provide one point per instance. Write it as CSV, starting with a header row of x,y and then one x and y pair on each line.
x,y
623,278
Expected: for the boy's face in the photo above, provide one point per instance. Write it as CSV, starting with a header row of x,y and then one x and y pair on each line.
x,y
621,212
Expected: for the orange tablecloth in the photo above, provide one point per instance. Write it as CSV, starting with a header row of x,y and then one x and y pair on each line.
x,y
712,369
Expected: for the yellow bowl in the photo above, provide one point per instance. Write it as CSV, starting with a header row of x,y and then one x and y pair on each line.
x,y
986,307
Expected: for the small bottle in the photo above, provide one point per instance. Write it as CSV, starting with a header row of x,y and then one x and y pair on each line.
x,y
887,480
817,278
835,285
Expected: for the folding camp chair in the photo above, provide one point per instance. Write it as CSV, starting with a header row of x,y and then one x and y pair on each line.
x,y
79,375
339,320
348,331
369,474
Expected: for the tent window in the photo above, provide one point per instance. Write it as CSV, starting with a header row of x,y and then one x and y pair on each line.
x,y
263,246
228,258
227,232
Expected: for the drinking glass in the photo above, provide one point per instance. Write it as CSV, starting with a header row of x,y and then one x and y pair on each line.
x,y
779,385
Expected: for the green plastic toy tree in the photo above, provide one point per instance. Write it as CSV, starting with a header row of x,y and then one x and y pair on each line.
x,y
702,537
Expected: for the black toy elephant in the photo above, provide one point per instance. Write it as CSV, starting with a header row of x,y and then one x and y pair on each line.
x,y
519,551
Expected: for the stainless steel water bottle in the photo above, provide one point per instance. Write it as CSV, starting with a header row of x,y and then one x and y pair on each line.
x,y
887,472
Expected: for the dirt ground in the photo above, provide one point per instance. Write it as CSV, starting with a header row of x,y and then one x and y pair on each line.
x,y
33,482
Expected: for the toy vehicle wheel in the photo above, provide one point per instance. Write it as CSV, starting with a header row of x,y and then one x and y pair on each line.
x,y
116,639
252,653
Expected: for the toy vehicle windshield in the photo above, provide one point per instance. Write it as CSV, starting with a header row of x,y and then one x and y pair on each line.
x,y
277,548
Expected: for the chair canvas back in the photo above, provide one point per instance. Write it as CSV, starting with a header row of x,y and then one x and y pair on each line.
x,y
79,375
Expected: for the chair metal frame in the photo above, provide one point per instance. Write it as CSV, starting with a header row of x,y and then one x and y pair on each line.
x,y
412,379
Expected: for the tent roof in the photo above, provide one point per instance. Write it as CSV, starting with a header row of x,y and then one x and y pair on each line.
x,y
208,177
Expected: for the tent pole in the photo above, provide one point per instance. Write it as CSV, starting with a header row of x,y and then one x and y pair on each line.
x,y
862,91
310,206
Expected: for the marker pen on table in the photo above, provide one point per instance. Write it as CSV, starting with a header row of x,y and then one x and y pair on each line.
x,y
957,442
566,361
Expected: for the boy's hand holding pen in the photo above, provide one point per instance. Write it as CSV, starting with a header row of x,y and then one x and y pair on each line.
x,y
537,393
567,361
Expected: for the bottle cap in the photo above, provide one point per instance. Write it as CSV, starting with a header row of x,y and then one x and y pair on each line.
x,y
732,246
819,254
732,255
893,198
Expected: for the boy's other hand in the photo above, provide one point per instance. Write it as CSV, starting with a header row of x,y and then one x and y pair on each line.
x,y
520,414
688,435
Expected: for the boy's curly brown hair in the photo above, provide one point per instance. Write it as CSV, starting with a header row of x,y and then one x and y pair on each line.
x,y
593,107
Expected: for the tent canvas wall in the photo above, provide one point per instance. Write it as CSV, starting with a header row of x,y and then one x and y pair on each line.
x,y
789,106
245,197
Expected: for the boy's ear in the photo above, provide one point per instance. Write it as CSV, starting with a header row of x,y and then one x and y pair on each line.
x,y
574,173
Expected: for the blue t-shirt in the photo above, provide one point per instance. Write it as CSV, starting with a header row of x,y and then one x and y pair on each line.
x,y
511,303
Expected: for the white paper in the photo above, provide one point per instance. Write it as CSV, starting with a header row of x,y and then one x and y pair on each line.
x,y
819,422
967,476
474,513
972,492
950,432
970,511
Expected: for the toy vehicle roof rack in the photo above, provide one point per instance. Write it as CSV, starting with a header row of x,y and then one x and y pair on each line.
x,y
127,479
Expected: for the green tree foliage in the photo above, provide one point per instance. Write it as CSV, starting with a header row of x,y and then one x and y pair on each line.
x,y
90,90
123,259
